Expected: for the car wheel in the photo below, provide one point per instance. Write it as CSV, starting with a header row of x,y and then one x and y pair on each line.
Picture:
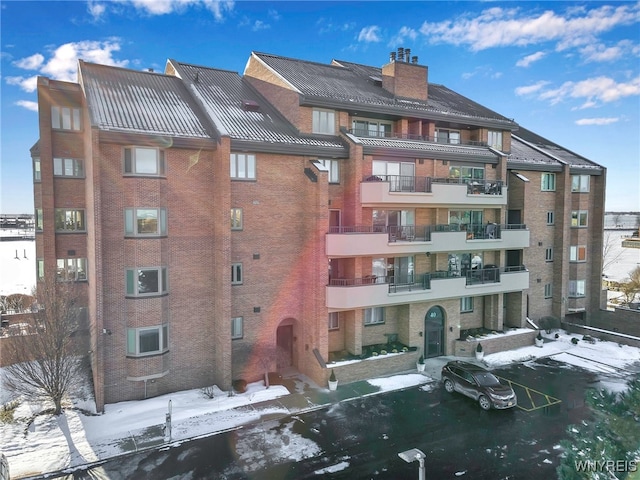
x,y
484,402
448,386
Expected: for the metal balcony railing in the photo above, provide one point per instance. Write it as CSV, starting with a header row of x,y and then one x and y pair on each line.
x,y
364,133
422,233
406,183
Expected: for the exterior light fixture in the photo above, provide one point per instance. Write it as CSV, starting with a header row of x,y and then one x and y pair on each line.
x,y
413,455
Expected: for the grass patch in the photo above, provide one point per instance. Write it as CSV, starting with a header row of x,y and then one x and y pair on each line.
x,y
7,411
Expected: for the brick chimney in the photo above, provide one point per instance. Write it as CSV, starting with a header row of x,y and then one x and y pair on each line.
x,y
403,77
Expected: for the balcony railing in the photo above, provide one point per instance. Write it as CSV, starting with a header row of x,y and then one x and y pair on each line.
x,y
422,233
358,132
422,281
412,184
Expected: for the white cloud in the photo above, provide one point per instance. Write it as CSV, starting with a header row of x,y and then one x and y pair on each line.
x,y
369,34
596,121
594,91
498,27
529,59
30,63
164,7
403,34
96,9
600,53
29,105
28,84
529,89
260,25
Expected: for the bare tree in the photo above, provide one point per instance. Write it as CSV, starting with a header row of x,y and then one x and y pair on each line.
x,y
46,365
631,288
610,252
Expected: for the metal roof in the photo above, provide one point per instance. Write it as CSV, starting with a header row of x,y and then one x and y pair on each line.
x,y
355,85
133,101
240,112
435,150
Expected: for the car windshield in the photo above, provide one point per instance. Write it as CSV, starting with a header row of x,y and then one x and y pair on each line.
x,y
486,379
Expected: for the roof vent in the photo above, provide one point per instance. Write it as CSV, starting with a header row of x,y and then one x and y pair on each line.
x,y
250,106
407,54
400,54
414,59
392,56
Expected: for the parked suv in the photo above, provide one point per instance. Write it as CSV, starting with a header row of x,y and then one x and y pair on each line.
x,y
478,383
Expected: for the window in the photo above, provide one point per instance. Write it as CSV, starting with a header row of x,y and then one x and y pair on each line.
x,y
236,219
371,128
236,274
71,269
494,139
323,121
39,221
243,166
69,220
577,288
141,222
333,167
65,118
447,136
144,161
548,290
550,219
237,327
466,304
579,218
40,269
577,253
466,174
147,340
548,182
374,316
548,254
37,174
334,321
143,282
580,183
67,167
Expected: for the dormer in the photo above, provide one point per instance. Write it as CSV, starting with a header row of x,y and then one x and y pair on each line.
x,y
403,77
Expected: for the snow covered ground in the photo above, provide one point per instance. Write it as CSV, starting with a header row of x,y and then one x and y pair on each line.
x,y
49,443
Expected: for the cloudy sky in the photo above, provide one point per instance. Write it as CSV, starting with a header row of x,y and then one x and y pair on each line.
x,y
569,71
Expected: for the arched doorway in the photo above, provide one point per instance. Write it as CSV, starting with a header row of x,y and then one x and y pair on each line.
x,y
434,332
284,344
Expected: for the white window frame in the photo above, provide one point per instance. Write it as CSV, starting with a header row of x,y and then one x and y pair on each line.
x,y
236,219
132,219
494,139
374,316
71,269
68,167
334,321
133,340
135,164
132,285
551,217
577,288
237,328
242,166
237,274
65,118
579,218
39,220
450,132
466,173
369,127
548,290
323,121
548,182
40,268
548,254
575,253
37,170
333,169
466,304
580,183
73,221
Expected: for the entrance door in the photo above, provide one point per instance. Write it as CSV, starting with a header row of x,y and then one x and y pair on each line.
x,y
284,344
434,332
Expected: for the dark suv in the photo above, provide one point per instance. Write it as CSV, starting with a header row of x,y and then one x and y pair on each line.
x,y
477,383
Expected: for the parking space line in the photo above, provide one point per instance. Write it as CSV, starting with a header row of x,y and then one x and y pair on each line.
x,y
549,400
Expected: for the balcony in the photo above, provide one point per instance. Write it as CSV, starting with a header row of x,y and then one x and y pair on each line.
x,y
411,239
363,133
346,294
408,190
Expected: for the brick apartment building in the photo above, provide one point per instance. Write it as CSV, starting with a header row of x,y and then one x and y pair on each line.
x,y
353,205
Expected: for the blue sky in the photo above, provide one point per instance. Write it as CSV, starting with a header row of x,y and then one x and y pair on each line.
x,y
569,71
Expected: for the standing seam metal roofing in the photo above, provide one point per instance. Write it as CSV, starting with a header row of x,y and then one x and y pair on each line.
x,y
222,94
350,82
142,102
